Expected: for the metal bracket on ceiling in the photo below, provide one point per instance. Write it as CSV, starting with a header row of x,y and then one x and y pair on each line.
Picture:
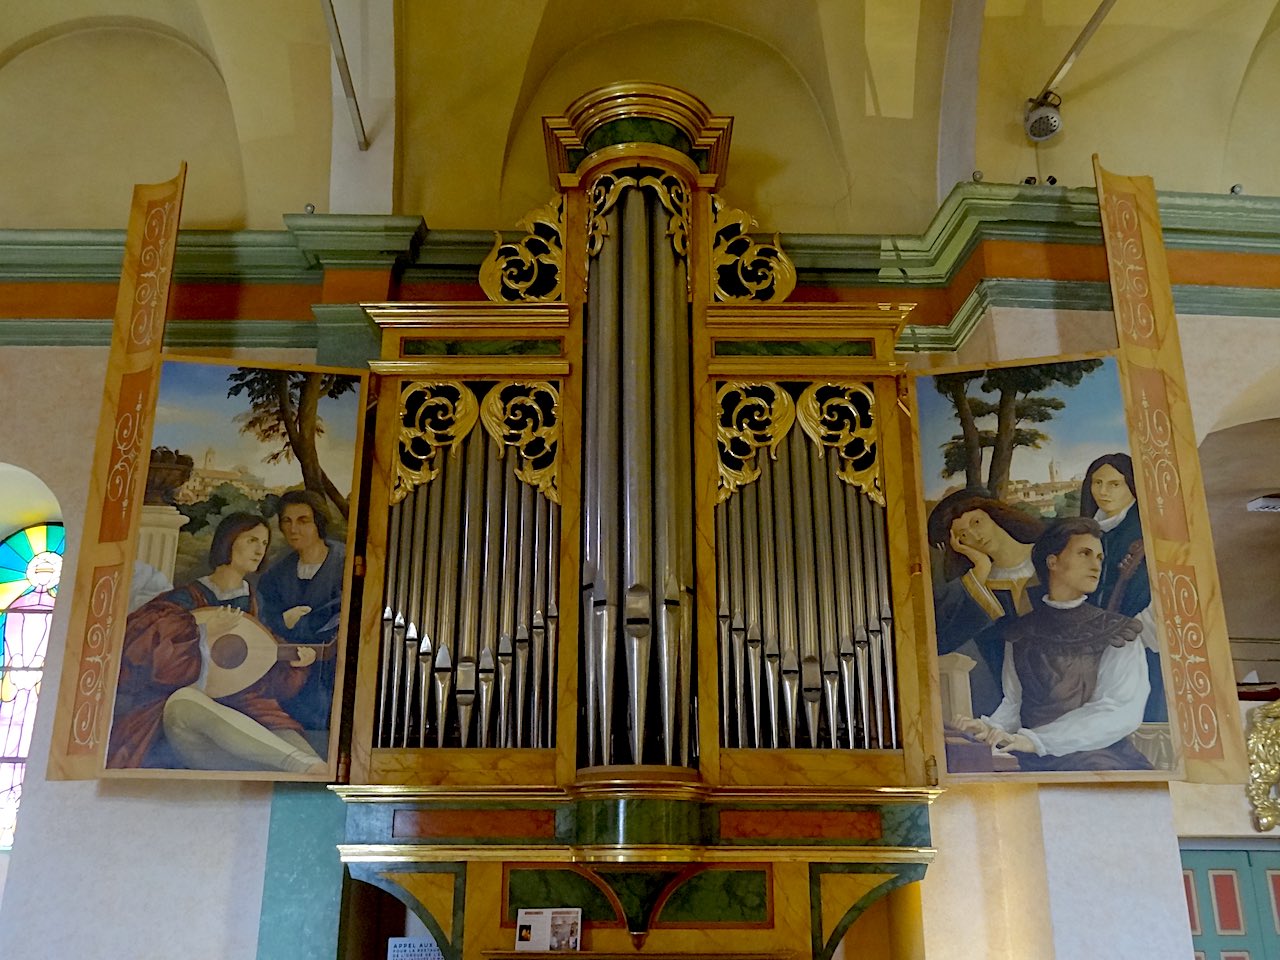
x,y
344,71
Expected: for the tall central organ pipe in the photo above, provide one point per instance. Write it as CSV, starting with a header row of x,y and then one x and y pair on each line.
x,y
637,531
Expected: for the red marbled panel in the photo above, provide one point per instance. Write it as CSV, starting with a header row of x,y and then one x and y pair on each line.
x,y
800,825
461,824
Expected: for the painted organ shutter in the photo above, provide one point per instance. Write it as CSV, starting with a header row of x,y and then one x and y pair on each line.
x,y
1233,898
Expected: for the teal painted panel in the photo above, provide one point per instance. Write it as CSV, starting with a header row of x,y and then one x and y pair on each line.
x,y
543,889
719,896
1224,885
302,886
905,825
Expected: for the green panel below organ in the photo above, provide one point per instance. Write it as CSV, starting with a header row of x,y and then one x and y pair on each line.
x,y
638,892
719,896
542,889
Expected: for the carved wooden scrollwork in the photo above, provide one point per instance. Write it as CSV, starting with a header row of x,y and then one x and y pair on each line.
x,y
1263,742
531,269
751,416
746,271
526,415
432,416
670,191
841,417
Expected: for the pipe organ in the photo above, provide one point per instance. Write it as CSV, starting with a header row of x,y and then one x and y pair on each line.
x,y
642,599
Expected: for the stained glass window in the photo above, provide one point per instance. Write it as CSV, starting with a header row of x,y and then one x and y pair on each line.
x,y
30,568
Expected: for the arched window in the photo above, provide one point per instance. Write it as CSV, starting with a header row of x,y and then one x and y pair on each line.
x,y
30,568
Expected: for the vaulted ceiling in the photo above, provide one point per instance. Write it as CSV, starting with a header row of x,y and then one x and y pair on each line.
x,y
852,116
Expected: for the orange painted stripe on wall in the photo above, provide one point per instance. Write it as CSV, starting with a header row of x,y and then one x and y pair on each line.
x,y
48,301
254,301
187,301
1214,268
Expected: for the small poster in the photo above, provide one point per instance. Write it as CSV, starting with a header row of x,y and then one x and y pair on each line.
x,y
413,948
552,930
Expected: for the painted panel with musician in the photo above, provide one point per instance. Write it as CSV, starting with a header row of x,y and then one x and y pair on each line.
x,y
230,660
1048,644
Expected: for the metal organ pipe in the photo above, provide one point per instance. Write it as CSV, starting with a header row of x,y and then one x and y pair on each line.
x,y
803,586
637,484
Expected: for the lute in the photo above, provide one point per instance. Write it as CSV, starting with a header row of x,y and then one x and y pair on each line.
x,y
243,655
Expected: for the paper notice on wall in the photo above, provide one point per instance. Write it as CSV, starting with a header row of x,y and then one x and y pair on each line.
x,y
549,930
413,948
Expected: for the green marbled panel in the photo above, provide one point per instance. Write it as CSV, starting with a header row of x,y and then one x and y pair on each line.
x,y
369,822
543,889
719,896
424,347
638,130
793,348
905,825
627,822
638,892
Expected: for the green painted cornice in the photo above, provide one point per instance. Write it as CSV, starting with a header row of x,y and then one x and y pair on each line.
x,y
178,334
355,240
973,212
1223,223
345,335
452,255
202,256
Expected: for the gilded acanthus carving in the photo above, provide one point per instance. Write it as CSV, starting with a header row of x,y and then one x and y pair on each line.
x,y
667,187
746,271
841,417
751,416
432,416
526,415
1263,742
531,269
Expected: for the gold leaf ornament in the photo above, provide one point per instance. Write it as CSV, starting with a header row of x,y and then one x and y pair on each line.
x,y
669,190
433,415
525,415
531,269
841,417
751,416
746,271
